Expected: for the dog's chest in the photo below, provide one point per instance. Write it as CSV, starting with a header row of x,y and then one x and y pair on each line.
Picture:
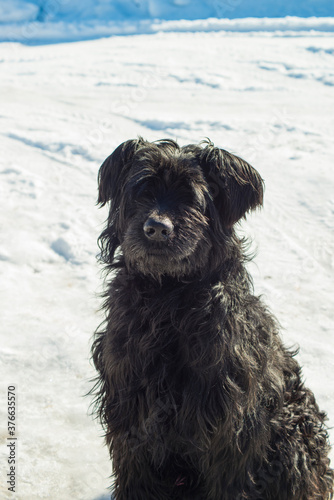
x,y
167,340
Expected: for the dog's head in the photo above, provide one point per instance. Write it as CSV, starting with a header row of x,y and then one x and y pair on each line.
x,y
172,208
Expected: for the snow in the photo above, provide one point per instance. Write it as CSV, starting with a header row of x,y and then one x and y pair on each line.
x,y
17,11
49,21
116,10
32,33
266,95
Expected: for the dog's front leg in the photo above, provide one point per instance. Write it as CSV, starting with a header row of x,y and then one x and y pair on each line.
x,y
136,480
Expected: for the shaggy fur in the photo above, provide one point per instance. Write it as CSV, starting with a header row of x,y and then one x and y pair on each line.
x,y
197,394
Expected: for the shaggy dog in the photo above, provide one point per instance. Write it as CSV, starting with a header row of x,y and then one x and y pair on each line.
x,y
198,396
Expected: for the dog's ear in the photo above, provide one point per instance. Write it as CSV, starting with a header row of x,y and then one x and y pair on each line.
x,y
236,186
114,169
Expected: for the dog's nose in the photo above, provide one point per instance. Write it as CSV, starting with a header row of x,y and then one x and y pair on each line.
x,y
158,229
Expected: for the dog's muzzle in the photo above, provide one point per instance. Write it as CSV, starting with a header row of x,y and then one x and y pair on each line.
x,y
158,229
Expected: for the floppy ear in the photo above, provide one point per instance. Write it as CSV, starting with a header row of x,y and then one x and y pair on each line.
x,y
113,170
236,186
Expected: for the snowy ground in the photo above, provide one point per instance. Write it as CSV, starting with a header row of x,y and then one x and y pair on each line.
x,y
64,108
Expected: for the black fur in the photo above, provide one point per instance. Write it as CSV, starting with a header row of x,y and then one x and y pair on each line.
x,y
197,394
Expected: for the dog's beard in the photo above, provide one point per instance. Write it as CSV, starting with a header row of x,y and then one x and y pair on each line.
x,y
184,255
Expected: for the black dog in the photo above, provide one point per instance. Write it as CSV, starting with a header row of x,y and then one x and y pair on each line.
x,y
198,396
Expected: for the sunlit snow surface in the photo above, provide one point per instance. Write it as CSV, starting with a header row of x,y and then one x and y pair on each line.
x,y
64,108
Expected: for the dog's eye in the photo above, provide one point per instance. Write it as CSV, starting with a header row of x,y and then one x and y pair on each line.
x,y
142,190
144,194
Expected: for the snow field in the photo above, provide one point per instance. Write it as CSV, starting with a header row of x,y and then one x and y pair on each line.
x,y
64,108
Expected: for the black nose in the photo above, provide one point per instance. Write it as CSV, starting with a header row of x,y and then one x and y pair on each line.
x,y
158,229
